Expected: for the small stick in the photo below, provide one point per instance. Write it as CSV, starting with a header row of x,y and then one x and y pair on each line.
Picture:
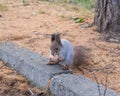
x,y
1,66
106,85
97,84
31,92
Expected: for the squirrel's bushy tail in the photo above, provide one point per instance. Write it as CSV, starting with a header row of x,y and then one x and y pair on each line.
x,y
81,56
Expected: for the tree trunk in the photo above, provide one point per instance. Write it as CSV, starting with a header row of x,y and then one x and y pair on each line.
x,y
107,16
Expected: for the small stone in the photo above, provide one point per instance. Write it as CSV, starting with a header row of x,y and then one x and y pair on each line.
x,y
33,13
0,15
113,40
85,26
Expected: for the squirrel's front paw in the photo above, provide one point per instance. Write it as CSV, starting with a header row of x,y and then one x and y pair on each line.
x,y
61,60
65,67
51,63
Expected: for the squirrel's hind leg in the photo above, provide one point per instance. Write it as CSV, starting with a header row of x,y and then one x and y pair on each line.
x,y
65,67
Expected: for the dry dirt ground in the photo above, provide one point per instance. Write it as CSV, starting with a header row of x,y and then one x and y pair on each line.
x,y
13,84
29,26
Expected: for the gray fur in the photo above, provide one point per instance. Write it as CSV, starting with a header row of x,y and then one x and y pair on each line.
x,y
66,52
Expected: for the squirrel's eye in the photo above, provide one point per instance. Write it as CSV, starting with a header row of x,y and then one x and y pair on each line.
x,y
56,49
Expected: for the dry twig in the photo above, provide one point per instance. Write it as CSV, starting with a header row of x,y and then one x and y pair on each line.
x,y
106,85
98,85
31,92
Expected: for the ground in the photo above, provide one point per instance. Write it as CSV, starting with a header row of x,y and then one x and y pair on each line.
x,y
30,25
14,84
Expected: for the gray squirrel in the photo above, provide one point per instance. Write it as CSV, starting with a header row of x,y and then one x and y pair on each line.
x,y
62,52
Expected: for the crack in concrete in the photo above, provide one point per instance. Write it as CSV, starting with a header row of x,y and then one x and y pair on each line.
x,y
47,88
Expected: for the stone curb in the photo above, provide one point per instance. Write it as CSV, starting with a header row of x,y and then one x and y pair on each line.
x,y
76,85
30,64
33,66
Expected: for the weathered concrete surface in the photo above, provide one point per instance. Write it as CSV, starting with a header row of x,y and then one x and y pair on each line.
x,y
30,64
71,85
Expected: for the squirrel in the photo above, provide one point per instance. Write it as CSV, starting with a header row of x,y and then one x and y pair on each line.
x,y
62,52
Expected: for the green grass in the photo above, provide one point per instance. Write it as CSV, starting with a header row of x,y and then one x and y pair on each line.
x,y
89,4
41,12
3,8
79,20
25,2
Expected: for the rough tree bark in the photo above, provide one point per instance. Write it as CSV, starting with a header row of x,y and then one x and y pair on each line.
x,y
107,16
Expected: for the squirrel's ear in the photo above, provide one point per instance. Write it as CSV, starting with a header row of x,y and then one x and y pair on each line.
x,y
53,37
58,39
